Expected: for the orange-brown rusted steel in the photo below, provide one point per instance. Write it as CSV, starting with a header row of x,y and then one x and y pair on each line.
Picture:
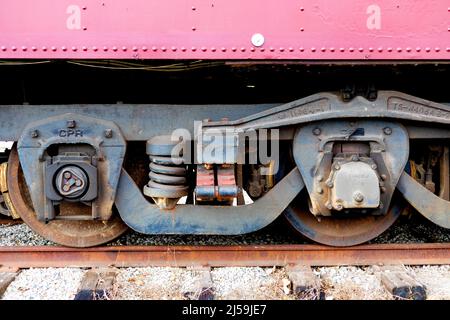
x,y
220,256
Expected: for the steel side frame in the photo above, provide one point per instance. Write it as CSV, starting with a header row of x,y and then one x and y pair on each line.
x,y
144,217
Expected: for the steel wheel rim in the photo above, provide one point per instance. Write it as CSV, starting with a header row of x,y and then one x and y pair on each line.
x,y
68,233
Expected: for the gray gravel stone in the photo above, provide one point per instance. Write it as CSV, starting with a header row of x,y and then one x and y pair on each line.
x,y
45,284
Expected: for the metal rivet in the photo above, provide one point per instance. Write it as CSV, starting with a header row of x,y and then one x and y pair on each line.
x,y
302,9
63,48
3,48
135,49
418,49
71,124
380,49
339,207
194,28
332,49
84,28
399,49
437,49
183,49
361,49
427,49
213,49
124,48
323,49
94,48
193,8
302,29
223,49
301,49
341,49
44,48
408,49
144,49
317,131
84,48
387,131
389,49
34,133
257,39
84,8
330,184
313,49
108,133
272,49
33,48
351,49
281,49
204,49
105,48
233,49
13,48
54,49
163,49
193,48
154,49
329,206
24,48
114,48
174,49
370,49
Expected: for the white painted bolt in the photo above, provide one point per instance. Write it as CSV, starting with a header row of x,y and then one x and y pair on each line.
x,y
257,39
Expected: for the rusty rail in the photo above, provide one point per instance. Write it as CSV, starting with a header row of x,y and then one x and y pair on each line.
x,y
219,256
10,221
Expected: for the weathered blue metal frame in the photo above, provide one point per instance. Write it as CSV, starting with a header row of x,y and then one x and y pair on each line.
x,y
144,217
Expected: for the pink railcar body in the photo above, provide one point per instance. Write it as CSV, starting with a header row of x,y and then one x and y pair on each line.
x,y
225,29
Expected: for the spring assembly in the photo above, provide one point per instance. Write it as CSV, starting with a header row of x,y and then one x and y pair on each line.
x,y
167,175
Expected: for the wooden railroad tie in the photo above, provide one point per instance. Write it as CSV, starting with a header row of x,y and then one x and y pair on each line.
x,y
203,289
7,275
401,284
97,284
305,284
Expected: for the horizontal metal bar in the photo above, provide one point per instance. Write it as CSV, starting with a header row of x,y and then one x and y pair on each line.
x,y
221,256
138,122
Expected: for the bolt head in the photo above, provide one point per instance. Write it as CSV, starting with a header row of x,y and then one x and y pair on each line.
x,y
339,207
108,133
329,206
374,166
71,124
337,166
358,197
330,184
320,178
34,133
319,190
383,177
355,158
387,131
317,131
67,175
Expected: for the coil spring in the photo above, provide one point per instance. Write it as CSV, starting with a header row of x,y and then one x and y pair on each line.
x,y
167,174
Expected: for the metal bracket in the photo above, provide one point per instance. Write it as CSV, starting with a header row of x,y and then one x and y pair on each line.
x,y
435,209
147,218
104,136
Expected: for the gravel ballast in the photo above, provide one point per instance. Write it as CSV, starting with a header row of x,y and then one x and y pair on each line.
x,y
45,284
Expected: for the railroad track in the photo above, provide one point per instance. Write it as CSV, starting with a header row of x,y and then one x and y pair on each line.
x,y
98,282
225,256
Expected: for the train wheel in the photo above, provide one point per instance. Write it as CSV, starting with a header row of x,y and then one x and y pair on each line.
x,y
338,230
64,232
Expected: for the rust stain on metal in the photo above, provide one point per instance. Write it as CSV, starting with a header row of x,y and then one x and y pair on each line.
x,y
221,256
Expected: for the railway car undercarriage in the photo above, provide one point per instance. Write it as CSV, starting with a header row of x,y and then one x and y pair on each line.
x,y
338,169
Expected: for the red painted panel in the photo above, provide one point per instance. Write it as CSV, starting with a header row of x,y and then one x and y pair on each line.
x,y
223,29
